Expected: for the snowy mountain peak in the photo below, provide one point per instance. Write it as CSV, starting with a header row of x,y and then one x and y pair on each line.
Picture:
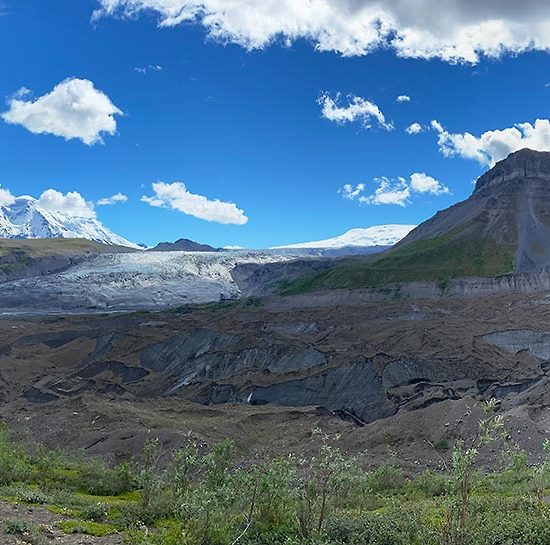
x,y
377,235
25,218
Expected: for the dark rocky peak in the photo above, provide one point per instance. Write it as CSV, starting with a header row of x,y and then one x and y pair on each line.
x,y
522,164
183,245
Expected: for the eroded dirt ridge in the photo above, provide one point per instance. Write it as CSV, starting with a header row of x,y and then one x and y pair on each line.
x,y
361,363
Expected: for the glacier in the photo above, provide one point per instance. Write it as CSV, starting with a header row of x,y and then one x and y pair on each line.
x,y
132,281
377,235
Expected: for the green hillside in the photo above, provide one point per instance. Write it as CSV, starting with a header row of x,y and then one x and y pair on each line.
x,y
40,247
461,252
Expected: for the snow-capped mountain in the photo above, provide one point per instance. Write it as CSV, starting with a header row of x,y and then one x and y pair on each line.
x,y
26,219
377,235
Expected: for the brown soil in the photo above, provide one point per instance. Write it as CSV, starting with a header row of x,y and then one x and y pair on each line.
x,y
43,528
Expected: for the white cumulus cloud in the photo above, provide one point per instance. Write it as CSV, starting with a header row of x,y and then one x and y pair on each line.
x,y
177,197
388,192
414,128
71,203
454,31
403,98
398,191
6,197
357,109
492,146
422,183
73,109
113,199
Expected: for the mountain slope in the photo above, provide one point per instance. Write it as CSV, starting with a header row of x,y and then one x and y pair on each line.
x,y
25,218
504,227
182,245
36,257
377,235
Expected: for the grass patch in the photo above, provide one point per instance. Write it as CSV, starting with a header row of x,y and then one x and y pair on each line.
x,y
53,246
95,529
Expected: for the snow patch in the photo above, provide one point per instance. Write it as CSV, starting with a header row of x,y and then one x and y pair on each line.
x,y
378,235
25,218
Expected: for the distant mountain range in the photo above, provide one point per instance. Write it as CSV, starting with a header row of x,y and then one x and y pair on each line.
x,y
377,235
25,218
183,245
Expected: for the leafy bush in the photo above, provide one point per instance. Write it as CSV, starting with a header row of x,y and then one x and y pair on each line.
x,y
377,529
432,484
199,496
99,480
386,477
32,496
95,512
16,527
14,464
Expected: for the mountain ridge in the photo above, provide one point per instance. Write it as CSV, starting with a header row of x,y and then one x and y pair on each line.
x,y
26,219
502,228
182,245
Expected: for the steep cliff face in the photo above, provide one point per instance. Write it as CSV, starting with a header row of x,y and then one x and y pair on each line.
x,y
509,209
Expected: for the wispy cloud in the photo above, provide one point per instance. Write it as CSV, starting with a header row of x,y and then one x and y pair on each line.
x,y
357,109
149,68
117,198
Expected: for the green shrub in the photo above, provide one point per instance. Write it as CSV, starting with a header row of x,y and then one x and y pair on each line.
x,y
442,445
14,465
377,529
432,484
95,512
32,496
386,477
99,480
509,521
16,527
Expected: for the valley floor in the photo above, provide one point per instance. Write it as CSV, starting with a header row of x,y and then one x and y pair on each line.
x,y
394,387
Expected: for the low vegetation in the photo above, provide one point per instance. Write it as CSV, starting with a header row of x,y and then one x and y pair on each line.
x,y
439,259
199,496
52,246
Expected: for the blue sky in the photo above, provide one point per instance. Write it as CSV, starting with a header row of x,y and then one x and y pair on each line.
x,y
246,127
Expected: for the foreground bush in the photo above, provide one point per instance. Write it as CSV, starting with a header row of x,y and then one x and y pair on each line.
x,y
198,496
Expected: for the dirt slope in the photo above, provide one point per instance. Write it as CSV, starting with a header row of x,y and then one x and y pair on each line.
x,y
271,372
